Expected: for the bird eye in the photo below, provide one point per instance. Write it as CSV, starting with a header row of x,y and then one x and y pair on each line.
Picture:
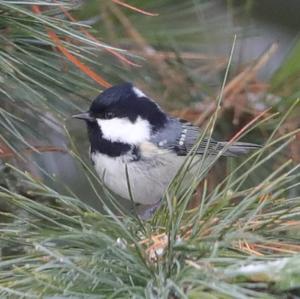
x,y
109,115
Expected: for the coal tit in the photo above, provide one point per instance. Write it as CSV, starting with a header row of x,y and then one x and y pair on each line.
x,y
126,127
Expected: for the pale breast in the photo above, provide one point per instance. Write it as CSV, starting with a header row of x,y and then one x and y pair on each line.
x,y
148,177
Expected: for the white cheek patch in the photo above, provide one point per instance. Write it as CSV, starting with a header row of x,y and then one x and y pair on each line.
x,y
123,130
138,92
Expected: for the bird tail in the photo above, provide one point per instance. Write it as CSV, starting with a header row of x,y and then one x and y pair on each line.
x,y
239,148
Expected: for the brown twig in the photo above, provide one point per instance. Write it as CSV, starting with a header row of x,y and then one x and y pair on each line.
x,y
239,83
85,69
121,57
6,152
142,11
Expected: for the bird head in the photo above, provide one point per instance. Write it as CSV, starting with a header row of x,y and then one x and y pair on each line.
x,y
124,114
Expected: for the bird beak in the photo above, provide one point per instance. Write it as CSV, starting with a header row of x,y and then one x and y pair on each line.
x,y
85,116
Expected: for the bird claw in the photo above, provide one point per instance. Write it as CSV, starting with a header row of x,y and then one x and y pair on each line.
x,y
145,212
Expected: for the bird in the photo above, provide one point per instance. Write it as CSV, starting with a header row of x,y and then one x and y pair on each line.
x,y
134,142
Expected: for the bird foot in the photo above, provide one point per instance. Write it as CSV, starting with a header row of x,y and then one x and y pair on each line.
x,y
145,212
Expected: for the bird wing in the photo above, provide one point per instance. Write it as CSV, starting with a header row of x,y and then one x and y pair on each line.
x,y
180,136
